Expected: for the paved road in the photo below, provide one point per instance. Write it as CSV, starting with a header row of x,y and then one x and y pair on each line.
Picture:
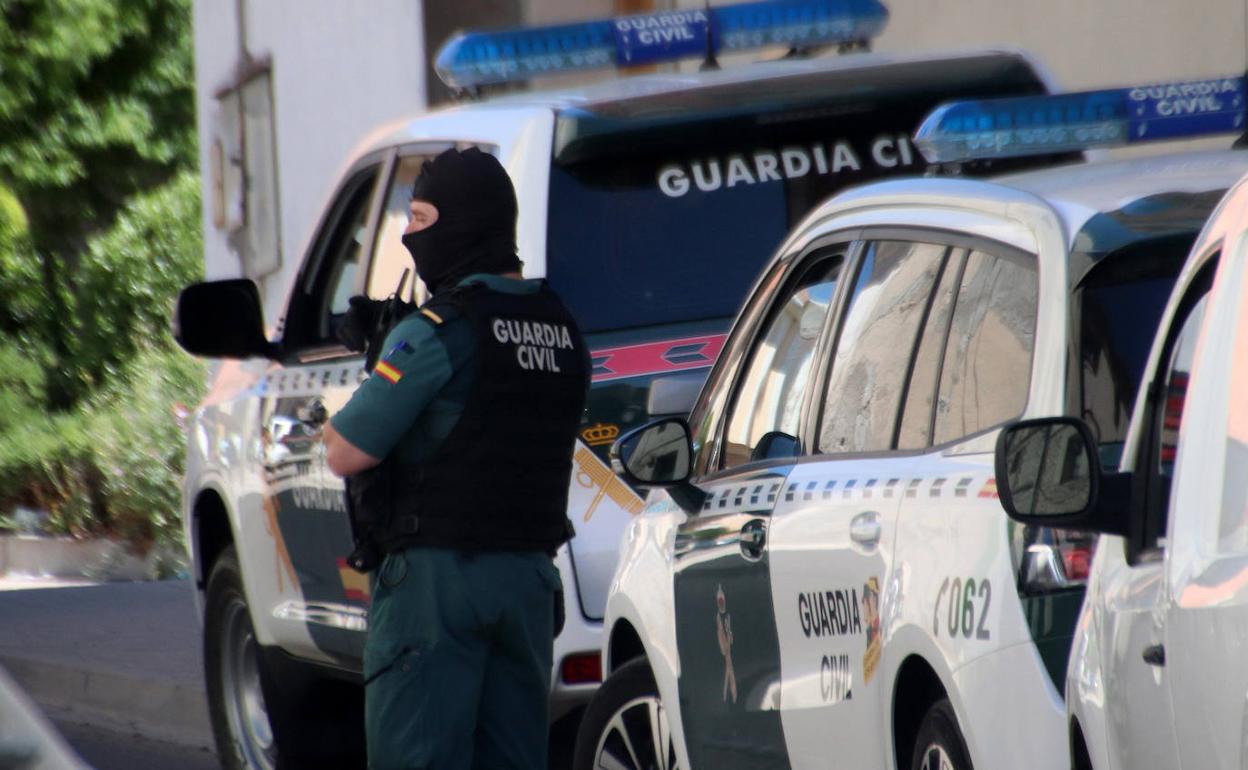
x,y
124,657
106,749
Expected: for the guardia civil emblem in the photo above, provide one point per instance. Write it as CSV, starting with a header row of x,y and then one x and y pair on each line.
x,y
871,618
723,630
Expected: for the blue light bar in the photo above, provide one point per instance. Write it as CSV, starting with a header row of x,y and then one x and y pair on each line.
x,y
1033,125
482,58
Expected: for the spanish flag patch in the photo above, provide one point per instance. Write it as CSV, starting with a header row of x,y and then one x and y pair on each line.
x,y
389,371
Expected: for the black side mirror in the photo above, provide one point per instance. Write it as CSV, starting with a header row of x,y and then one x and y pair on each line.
x,y
659,454
1049,474
222,319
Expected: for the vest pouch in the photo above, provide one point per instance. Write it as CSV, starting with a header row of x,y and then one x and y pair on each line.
x,y
370,504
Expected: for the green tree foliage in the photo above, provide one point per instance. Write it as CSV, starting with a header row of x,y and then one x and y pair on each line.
x,y
99,228
112,463
96,105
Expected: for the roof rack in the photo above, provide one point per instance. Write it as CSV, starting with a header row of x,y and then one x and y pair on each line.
x,y
471,60
1032,125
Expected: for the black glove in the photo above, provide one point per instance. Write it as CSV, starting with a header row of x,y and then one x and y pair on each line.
x,y
357,325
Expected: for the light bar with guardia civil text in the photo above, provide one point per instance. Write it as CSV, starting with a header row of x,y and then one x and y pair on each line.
x,y
1034,125
473,59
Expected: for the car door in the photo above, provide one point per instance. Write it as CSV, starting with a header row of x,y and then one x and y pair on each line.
x,y
832,532
1206,616
729,655
357,250
1139,677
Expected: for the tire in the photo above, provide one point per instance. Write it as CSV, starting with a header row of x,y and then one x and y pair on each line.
x,y
624,722
262,718
232,663
939,744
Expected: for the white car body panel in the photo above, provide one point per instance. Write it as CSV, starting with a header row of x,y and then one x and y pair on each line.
x,y
1194,601
953,538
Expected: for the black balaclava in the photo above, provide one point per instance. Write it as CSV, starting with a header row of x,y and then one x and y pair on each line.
x,y
476,227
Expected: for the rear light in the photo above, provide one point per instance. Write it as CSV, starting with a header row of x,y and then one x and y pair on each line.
x,y
1053,559
581,668
1077,560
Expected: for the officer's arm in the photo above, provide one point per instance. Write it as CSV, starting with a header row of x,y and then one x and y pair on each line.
x,y
344,458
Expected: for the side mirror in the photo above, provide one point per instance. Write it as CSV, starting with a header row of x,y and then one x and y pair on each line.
x,y
222,319
1049,474
659,454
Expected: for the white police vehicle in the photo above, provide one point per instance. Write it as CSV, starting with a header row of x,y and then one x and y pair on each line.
x,y
1157,674
826,576
649,203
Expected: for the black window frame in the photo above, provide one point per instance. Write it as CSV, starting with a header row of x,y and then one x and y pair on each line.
x,y
307,301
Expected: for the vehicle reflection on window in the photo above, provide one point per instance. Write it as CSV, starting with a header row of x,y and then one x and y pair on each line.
x,y
869,370
763,422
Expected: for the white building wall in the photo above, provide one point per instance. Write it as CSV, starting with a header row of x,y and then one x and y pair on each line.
x,y
1085,44
337,72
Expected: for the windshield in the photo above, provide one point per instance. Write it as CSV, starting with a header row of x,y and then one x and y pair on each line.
x,y
1120,303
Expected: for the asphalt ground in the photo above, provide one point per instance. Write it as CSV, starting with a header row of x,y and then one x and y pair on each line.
x,y
123,656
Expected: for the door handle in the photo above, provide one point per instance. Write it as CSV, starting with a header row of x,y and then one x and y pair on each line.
x,y
865,529
753,538
1155,655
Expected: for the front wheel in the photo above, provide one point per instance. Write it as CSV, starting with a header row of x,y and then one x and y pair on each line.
x,y
939,745
267,716
232,665
625,725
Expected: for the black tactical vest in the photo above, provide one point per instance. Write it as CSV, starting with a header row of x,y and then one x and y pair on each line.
x,y
500,479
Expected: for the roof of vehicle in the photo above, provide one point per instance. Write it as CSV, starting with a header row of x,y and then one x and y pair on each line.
x,y
1102,206
662,98
1106,205
640,95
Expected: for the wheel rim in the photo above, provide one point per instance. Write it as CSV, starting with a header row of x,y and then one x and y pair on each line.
x,y
637,737
240,683
936,758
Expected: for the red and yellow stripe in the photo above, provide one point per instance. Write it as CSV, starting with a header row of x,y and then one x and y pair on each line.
x,y
388,371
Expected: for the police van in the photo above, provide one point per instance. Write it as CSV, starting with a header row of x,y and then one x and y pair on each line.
x,y
824,575
649,203
1157,674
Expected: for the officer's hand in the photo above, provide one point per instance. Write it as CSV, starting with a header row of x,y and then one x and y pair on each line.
x,y
357,324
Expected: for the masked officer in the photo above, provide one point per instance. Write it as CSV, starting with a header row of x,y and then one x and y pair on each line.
x,y
458,452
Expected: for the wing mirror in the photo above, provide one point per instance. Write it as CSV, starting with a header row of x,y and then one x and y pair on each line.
x,y
1049,474
659,454
222,319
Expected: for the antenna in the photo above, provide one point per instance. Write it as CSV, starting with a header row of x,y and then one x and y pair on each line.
x,y
710,62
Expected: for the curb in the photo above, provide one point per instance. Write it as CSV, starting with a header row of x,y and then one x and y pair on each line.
x,y
175,713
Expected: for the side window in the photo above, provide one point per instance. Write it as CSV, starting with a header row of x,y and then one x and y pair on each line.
x,y
763,421
390,257
332,274
1169,415
891,299
987,364
706,419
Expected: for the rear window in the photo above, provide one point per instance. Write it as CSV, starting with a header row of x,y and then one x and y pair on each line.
x,y
1120,304
659,222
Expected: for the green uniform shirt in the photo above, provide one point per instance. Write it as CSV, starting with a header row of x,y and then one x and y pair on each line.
x,y
415,395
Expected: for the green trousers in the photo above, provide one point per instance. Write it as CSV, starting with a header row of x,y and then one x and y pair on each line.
x,y
458,660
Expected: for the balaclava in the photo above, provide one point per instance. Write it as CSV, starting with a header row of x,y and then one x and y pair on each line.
x,y
476,227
